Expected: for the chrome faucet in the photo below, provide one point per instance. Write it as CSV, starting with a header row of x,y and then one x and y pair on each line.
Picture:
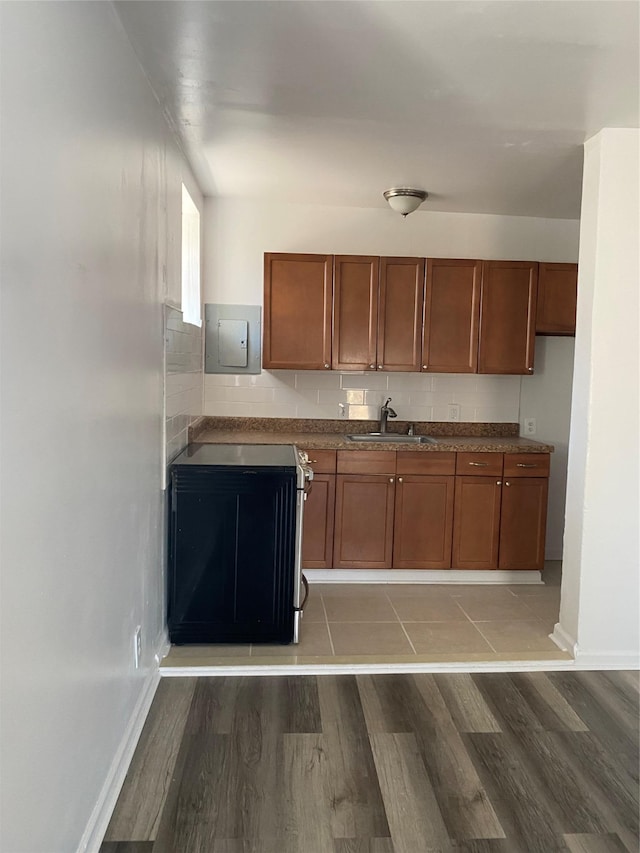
x,y
386,412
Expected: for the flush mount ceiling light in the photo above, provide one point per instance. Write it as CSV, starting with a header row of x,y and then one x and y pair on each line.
x,y
405,200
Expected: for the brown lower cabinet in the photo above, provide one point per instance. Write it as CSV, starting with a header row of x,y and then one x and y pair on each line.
x,y
319,511
379,512
317,530
523,519
476,526
363,537
500,521
423,522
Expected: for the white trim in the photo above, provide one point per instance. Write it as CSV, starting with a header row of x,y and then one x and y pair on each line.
x,y
426,576
608,660
164,647
369,668
563,640
101,815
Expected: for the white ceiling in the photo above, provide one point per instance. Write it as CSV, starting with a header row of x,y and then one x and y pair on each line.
x,y
484,104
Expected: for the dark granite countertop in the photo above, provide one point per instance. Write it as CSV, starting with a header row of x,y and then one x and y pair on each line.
x,y
332,435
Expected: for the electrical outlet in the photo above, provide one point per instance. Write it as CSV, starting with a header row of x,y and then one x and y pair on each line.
x,y
454,411
529,426
137,646
342,410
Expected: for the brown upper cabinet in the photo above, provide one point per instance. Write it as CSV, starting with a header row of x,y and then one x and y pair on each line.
x,y
352,312
451,316
400,314
377,313
297,311
557,296
507,317
355,312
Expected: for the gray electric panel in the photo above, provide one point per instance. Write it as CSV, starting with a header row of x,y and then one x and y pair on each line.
x,y
232,338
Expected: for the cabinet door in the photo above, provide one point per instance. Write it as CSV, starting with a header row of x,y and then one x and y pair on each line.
x,y
507,317
523,523
423,524
317,531
297,311
451,316
400,313
355,313
476,524
364,521
557,296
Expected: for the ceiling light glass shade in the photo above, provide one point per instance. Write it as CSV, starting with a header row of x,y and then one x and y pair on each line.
x,y
405,200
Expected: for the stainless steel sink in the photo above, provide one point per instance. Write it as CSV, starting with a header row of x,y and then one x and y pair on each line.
x,y
392,438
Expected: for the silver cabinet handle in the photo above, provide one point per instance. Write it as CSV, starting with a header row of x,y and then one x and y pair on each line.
x,y
372,366
530,369
379,367
498,482
391,480
479,464
507,483
526,465
399,479
327,366
424,366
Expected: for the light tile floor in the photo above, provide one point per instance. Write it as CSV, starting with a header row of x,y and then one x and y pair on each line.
x,y
407,623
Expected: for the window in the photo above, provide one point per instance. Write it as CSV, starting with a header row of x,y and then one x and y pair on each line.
x,y
191,309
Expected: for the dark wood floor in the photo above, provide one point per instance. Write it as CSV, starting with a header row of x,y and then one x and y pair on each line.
x,y
488,763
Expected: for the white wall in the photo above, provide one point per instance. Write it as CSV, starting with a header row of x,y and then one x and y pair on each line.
x,y
546,396
600,589
239,232
90,177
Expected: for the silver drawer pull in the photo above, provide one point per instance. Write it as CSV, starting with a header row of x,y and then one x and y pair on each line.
x,y
526,465
479,464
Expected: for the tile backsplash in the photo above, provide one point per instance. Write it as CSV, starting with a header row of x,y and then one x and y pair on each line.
x,y
182,378
320,394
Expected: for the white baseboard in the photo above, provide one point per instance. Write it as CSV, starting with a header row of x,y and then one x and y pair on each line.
x,y
594,660
98,822
563,640
425,576
610,660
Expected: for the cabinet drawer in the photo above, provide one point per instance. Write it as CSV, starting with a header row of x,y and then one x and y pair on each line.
x,y
322,461
526,464
412,462
366,462
479,464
